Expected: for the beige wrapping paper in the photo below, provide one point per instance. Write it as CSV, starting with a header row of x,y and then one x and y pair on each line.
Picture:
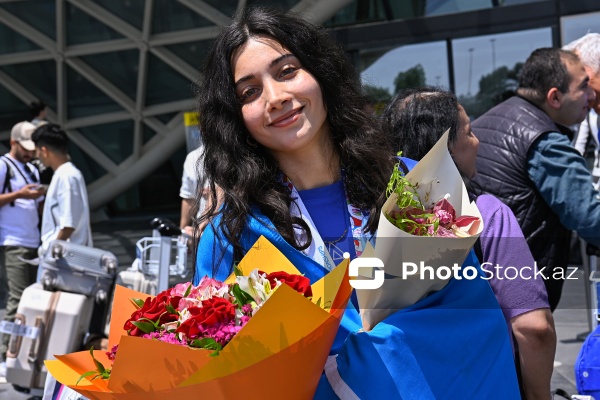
x,y
436,176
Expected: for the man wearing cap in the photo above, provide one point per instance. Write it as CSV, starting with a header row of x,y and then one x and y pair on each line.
x,y
20,201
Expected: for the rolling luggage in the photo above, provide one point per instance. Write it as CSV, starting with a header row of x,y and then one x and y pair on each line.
x,y
75,268
46,323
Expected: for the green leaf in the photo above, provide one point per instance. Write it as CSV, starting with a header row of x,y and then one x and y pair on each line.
x,y
146,327
408,199
98,364
170,309
188,291
138,302
85,375
208,344
241,297
237,271
100,371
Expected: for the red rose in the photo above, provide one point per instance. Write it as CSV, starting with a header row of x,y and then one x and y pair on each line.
x,y
214,311
191,327
299,283
155,310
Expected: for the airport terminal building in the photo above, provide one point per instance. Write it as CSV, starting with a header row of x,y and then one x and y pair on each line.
x,y
118,74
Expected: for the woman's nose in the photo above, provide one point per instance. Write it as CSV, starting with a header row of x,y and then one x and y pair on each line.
x,y
275,94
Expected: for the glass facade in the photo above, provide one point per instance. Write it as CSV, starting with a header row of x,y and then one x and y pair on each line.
x,y
84,28
486,67
575,26
365,11
119,76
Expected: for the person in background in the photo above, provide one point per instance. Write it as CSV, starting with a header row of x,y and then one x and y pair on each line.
x,y
300,160
20,206
416,119
66,211
193,185
38,112
589,132
587,48
527,161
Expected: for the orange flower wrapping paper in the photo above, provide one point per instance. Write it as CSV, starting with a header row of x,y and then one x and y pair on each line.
x,y
287,341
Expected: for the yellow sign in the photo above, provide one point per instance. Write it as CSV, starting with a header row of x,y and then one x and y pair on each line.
x,y
191,119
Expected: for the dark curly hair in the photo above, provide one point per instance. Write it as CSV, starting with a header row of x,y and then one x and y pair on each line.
x,y
247,174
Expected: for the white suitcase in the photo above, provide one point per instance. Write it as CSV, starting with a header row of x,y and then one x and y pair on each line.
x,y
138,281
47,323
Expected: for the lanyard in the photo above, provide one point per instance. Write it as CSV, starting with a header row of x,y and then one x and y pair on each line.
x,y
317,249
29,171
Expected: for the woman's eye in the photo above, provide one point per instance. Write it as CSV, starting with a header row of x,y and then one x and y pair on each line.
x,y
288,71
248,94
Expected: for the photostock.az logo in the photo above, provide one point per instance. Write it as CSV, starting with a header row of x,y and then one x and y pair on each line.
x,y
366,262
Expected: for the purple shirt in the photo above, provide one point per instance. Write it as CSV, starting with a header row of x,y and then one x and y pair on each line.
x,y
508,261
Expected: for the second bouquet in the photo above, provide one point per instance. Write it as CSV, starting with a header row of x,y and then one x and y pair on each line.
x,y
426,228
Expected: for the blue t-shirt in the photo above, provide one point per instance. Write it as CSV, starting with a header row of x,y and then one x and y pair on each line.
x,y
328,209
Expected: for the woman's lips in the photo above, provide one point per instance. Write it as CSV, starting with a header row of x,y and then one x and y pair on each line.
x,y
287,119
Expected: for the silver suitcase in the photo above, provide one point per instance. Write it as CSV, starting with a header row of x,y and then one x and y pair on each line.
x,y
46,323
75,268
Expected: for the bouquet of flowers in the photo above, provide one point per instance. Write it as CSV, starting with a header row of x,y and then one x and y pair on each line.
x,y
217,338
414,216
427,221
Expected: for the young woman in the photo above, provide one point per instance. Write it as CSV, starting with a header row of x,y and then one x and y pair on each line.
x,y
299,160
289,144
416,119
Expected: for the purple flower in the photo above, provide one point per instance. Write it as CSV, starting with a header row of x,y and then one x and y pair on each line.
x,y
444,217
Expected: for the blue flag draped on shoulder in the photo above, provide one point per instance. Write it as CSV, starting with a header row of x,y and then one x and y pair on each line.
x,y
453,344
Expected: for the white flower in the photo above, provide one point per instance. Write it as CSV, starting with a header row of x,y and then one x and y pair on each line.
x,y
256,285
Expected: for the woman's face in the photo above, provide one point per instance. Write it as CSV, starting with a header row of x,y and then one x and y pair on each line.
x,y
282,104
464,149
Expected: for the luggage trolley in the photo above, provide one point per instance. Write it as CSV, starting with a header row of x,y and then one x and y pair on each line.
x,y
162,259
165,253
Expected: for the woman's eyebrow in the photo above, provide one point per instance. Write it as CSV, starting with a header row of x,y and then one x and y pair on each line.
x,y
271,65
280,58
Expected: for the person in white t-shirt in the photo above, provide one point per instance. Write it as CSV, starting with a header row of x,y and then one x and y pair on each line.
x,y
66,211
20,201
192,181
589,132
